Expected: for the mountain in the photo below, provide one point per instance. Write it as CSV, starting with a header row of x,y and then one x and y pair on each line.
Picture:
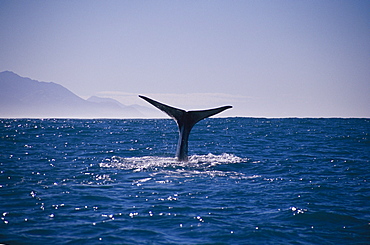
x,y
112,103
24,97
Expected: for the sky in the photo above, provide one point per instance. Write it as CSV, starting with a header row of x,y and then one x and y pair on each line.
x,y
265,58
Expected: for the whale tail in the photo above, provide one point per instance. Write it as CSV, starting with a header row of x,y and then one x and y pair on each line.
x,y
185,121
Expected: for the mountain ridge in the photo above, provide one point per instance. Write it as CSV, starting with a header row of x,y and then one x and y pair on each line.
x,y
25,97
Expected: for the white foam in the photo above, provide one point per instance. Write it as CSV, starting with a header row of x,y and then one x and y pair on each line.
x,y
197,165
153,162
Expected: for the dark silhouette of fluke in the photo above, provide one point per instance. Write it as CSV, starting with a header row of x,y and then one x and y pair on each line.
x,y
185,121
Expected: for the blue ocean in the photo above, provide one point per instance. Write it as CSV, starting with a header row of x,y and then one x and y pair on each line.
x,y
247,181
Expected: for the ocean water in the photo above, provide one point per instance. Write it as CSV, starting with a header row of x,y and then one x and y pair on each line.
x,y
247,181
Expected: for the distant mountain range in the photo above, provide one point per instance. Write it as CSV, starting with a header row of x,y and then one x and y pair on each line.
x,y
27,98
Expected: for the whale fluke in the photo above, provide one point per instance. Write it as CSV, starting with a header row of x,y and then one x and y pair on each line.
x,y
185,121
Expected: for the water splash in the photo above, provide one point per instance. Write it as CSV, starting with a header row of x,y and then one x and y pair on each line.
x,y
198,165
155,163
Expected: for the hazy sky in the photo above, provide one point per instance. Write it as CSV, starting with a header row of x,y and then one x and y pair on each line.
x,y
266,58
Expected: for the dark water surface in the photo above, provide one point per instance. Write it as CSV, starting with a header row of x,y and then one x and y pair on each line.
x,y
248,181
